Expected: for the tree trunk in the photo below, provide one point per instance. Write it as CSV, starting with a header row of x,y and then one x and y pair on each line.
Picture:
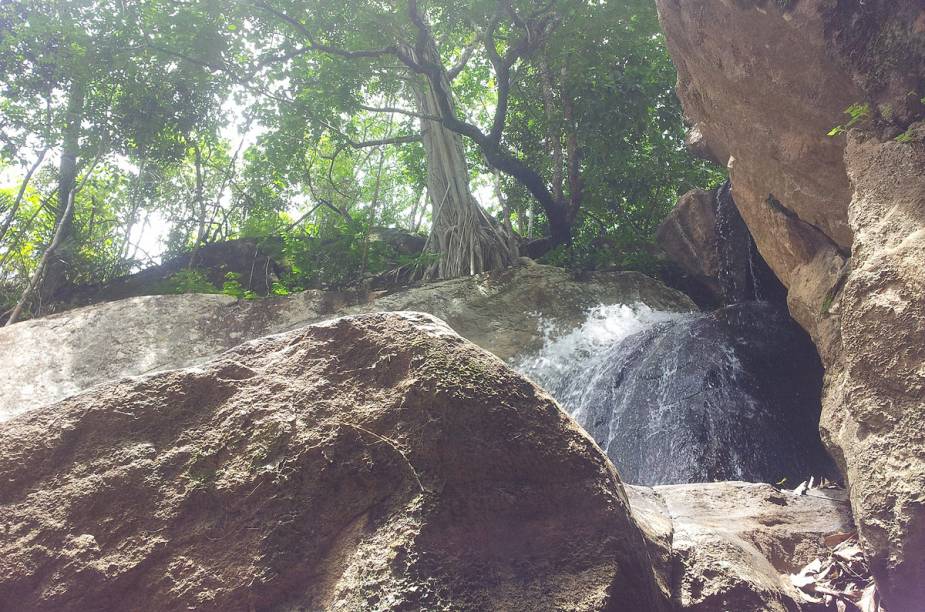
x,y
199,200
505,205
136,187
43,263
373,211
57,268
437,100
468,240
573,149
553,135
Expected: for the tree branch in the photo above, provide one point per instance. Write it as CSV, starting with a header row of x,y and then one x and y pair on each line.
x,y
534,31
398,111
236,79
395,140
502,68
40,270
22,190
453,72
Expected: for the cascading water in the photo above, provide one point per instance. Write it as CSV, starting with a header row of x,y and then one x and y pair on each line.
x,y
555,366
677,398
730,229
752,271
743,274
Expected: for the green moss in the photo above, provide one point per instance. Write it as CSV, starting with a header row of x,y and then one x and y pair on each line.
x,y
827,304
202,470
458,372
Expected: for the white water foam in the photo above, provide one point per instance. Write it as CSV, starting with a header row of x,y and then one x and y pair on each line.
x,y
563,355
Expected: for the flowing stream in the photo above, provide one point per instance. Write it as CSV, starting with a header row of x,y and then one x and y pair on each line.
x,y
676,398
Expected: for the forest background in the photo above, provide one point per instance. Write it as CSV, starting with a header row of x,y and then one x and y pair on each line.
x,y
135,131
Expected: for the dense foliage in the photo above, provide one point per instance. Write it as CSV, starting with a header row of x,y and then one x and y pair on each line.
x,y
170,125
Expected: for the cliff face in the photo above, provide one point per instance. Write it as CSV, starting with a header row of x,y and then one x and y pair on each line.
x,y
874,404
838,218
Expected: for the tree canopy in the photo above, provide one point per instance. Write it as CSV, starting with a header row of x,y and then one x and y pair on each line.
x,y
135,131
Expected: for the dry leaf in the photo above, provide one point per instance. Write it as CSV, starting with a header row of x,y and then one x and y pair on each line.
x,y
800,580
849,553
829,591
870,600
841,580
837,538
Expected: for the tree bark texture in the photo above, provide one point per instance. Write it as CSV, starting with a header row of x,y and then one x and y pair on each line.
x,y
467,239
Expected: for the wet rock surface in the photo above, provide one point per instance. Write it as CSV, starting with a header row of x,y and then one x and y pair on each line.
x,y
707,240
730,395
379,463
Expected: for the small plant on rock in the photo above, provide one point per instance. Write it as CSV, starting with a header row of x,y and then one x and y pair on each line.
x,y
187,281
857,113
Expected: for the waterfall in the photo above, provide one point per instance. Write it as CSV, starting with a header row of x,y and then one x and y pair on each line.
x,y
743,274
754,282
729,231
585,348
676,398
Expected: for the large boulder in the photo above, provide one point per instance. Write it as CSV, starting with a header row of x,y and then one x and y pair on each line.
x,y
733,545
45,360
874,407
839,219
371,463
513,311
255,264
762,89
252,262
